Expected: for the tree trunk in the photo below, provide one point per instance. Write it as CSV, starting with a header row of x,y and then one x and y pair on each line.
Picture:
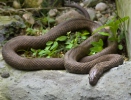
x,y
124,9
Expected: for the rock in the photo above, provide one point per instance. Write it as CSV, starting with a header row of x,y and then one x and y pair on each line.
x,y
111,17
5,75
92,13
82,4
32,4
103,19
100,6
10,26
91,3
1,37
2,97
70,14
98,15
53,12
28,17
61,85
16,4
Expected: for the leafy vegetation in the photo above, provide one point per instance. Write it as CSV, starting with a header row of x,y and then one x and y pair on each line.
x,y
114,25
97,47
62,44
58,47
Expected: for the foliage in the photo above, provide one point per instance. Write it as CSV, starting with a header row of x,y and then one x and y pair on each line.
x,y
97,47
35,31
114,25
60,45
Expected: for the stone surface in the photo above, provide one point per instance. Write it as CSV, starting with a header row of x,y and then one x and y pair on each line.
x,y
68,15
61,85
92,13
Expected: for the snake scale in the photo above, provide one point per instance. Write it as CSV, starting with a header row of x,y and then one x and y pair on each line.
x,y
75,60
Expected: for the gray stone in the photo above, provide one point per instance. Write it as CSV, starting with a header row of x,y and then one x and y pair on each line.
x,y
53,12
5,75
98,15
91,3
101,6
92,13
68,15
9,26
61,85
103,19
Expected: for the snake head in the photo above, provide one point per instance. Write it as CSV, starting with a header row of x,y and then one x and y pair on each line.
x,y
94,75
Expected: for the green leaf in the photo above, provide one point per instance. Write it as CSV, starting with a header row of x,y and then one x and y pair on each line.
x,y
44,31
48,57
120,20
120,47
85,32
50,20
78,34
44,52
54,46
95,50
99,43
33,50
84,37
104,33
99,28
61,38
68,33
69,46
97,47
44,20
47,48
49,43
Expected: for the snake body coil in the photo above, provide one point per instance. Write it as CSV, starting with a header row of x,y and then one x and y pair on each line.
x,y
75,60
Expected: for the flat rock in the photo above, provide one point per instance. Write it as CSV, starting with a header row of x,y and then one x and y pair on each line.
x,y
61,85
68,15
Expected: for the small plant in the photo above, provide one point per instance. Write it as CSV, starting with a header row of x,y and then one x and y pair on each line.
x,y
51,47
73,41
97,47
60,45
35,32
114,25
31,31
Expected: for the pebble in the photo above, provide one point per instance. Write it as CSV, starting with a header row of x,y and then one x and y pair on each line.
x,y
92,13
101,6
98,15
5,75
53,12
97,9
103,19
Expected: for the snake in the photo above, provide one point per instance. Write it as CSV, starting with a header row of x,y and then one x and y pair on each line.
x,y
75,60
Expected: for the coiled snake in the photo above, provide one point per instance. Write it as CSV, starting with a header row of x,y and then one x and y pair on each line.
x,y
74,61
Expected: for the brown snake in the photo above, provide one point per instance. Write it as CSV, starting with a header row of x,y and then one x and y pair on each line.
x,y
75,60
